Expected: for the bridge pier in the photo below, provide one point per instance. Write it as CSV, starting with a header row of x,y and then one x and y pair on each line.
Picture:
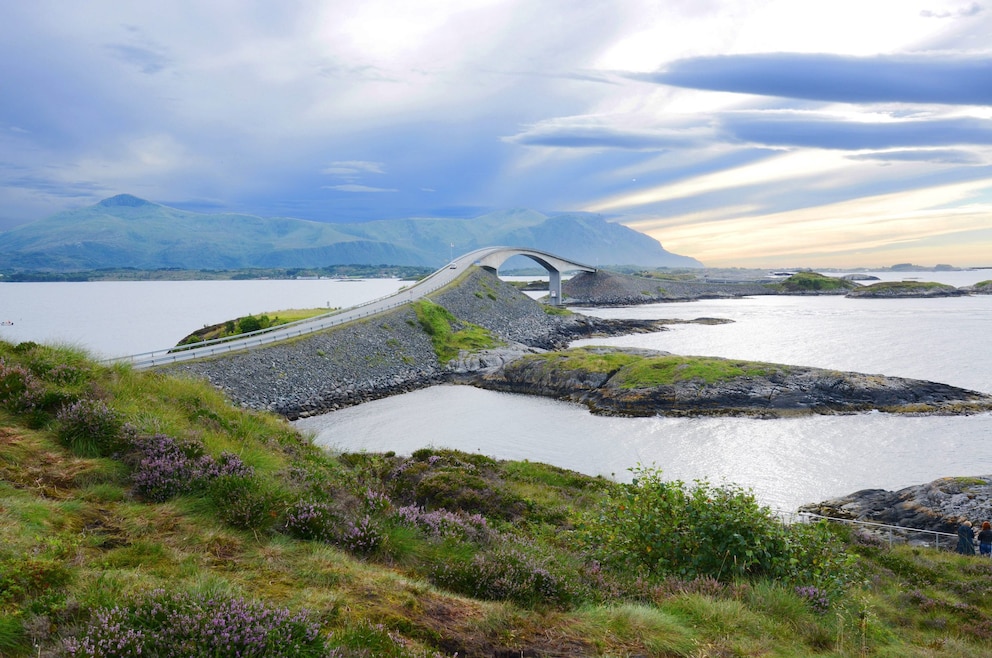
x,y
554,287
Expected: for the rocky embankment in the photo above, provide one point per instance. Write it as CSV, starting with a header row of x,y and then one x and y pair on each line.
x,y
604,288
940,505
637,382
391,353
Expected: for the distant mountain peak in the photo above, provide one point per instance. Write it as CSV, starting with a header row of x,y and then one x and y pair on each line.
x,y
125,201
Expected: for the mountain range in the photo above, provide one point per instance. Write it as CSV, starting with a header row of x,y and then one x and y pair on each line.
x,y
126,231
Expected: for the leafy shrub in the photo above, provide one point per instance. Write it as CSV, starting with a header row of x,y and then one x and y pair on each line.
x,y
669,528
190,626
666,529
27,577
90,428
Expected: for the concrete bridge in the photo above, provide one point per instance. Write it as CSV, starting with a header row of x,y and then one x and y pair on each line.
x,y
489,257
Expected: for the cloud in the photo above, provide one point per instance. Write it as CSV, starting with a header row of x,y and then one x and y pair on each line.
x,y
147,60
819,131
357,188
939,156
570,135
353,168
971,10
942,79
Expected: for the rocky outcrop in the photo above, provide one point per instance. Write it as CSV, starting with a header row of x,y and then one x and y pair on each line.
x,y
604,288
980,288
899,289
637,382
939,506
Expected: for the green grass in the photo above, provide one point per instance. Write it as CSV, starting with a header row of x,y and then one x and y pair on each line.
x,y
631,370
906,285
668,370
75,538
814,281
439,324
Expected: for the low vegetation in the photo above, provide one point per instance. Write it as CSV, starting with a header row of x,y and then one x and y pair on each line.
x,y
141,513
450,335
629,369
814,282
250,323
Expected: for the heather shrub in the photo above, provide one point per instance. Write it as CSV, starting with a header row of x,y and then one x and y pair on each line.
x,y
245,502
196,626
165,467
90,428
309,519
442,524
363,536
509,572
23,393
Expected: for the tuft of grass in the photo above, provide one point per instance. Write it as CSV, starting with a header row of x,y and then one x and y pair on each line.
x,y
439,324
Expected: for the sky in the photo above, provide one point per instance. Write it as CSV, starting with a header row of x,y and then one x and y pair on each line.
x,y
751,133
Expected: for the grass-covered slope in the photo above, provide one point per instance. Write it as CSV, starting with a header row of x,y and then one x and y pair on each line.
x,y
144,514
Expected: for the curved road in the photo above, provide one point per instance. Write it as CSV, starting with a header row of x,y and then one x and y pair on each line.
x,y
424,287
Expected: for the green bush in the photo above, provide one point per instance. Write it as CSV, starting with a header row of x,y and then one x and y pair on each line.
x,y
661,529
668,528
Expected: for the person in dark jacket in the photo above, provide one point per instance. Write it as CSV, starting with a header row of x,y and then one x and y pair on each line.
x,y
966,539
985,540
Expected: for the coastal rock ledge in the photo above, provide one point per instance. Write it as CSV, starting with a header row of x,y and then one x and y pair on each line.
x,y
638,382
939,506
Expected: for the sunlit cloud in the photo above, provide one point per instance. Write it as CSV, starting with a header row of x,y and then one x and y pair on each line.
x,y
769,171
832,233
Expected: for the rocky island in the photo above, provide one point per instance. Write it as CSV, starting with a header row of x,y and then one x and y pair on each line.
x,y
637,382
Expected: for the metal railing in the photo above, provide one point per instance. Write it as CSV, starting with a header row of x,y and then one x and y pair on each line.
x,y
893,533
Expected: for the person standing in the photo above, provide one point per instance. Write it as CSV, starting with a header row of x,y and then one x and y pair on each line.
x,y
966,539
985,540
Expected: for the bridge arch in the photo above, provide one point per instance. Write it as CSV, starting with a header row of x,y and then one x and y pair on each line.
x,y
493,257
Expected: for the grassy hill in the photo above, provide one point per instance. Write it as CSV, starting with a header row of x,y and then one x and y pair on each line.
x,y
139,511
125,231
